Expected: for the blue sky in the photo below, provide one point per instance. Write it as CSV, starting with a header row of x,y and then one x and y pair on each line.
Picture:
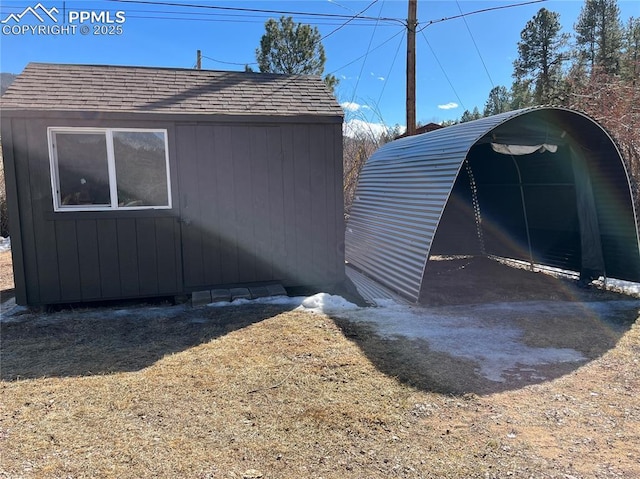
x,y
458,60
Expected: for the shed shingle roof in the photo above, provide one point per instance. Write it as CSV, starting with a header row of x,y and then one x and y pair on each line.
x,y
104,88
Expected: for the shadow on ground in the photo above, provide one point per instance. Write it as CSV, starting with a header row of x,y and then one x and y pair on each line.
x,y
485,327
98,340
415,361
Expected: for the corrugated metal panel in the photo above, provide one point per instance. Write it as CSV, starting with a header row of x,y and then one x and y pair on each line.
x,y
373,292
401,196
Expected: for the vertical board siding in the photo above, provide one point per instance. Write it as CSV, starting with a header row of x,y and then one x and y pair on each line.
x,y
167,252
260,196
291,242
302,217
338,206
147,256
20,213
66,242
266,204
275,206
116,258
331,247
186,150
68,258
226,191
334,267
208,201
319,257
41,203
242,178
128,256
109,258
89,260
255,202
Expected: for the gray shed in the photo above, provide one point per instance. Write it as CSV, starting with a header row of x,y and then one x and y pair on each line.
x,y
544,185
127,182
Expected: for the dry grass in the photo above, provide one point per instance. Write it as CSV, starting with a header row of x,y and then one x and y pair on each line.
x,y
6,271
161,391
286,394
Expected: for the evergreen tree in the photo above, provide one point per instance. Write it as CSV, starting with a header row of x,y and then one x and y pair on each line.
x,y
470,115
292,48
599,35
521,94
541,56
499,101
630,66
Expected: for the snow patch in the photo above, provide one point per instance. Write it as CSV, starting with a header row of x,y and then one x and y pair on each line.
x,y
625,287
274,300
327,303
318,303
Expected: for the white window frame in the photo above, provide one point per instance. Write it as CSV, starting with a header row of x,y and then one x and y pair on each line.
x,y
111,164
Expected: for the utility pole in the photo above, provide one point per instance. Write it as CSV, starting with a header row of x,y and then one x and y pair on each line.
x,y
411,67
198,60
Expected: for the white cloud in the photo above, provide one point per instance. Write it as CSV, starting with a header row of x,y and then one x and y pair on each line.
x,y
381,78
448,106
350,106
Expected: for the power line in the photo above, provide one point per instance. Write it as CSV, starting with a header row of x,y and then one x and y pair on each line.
x,y
484,10
255,10
224,20
229,63
443,71
350,20
365,58
384,85
373,49
223,16
475,45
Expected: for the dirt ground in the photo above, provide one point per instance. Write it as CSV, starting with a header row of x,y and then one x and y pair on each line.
x,y
473,279
262,391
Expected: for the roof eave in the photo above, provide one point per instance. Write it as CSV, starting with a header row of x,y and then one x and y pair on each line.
x,y
17,112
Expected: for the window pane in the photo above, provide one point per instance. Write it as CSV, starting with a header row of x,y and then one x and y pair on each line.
x,y
82,169
141,168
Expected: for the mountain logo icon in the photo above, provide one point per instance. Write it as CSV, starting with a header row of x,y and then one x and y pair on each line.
x,y
39,11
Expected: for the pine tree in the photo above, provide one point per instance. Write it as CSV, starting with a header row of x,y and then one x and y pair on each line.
x,y
541,56
292,48
630,66
599,35
499,101
521,94
470,115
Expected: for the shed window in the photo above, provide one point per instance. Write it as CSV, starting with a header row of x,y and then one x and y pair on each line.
x,y
100,169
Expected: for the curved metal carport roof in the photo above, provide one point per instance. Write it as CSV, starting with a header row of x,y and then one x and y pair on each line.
x,y
567,205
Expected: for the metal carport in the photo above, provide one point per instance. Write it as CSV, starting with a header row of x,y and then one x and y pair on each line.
x,y
546,185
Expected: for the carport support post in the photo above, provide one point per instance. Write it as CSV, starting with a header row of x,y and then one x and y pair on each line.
x,y
524,212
